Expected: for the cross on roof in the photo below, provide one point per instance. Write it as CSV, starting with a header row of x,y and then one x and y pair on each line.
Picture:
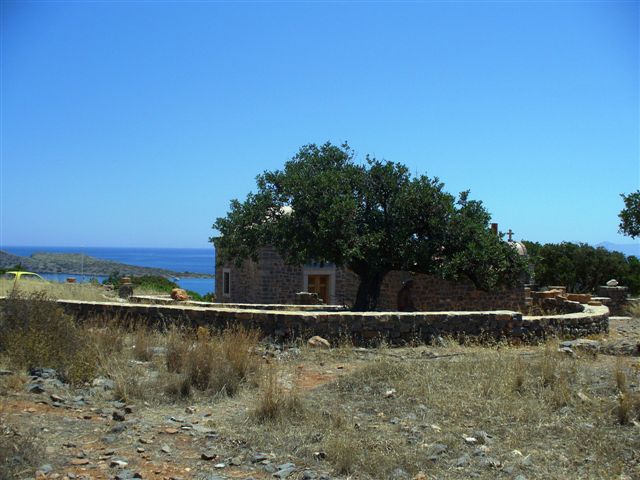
x,y
510,234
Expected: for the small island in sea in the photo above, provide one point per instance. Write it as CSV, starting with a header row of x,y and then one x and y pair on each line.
x,y
77,263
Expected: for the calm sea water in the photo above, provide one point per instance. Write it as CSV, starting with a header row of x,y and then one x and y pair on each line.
x,y
197,260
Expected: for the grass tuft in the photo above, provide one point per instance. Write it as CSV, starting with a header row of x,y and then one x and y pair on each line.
x,y
275,399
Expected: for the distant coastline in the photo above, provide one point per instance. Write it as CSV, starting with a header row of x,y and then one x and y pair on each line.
x,y
78,263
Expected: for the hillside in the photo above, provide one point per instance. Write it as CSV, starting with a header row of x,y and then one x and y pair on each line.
x,y
627,248
75,263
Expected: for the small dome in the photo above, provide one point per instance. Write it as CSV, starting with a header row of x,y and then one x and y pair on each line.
x,y
286,210
519,247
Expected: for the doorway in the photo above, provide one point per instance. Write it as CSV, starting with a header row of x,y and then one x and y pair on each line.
x,y
319,284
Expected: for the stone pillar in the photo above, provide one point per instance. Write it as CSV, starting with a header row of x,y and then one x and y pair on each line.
x,y
618,296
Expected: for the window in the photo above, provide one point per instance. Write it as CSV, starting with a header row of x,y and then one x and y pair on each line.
x,y
226,282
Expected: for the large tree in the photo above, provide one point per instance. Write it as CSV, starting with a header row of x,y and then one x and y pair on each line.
x,y
372,218
630,215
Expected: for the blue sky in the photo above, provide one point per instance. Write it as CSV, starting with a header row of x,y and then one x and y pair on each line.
x,y
135,123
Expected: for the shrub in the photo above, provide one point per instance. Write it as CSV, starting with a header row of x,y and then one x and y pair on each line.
x,y
37,333
178,387
218,362
154,282
209,297
275,399
194,295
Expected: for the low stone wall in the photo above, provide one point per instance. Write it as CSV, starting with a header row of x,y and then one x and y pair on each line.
x,y
363,328
591,320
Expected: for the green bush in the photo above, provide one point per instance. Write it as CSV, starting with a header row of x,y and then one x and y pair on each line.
x,y
195,296
156,283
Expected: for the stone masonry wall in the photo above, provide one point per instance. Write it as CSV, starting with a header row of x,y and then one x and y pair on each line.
x,y
271,280
618,296
279,282
363,328
433,294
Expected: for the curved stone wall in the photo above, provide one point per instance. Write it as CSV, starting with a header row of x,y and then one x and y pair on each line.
x,y
363,328
591,320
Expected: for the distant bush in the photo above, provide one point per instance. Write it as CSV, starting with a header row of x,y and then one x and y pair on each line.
x,y
150,282
156,283
195,296
581,267
37,333
209,297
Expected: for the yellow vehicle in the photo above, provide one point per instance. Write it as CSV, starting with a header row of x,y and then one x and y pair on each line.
x,y
23,276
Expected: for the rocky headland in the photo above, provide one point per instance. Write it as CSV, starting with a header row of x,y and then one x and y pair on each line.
x,y
76,264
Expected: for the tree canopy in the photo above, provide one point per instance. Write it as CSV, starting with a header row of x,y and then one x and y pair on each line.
x,y
371,217
581,267
630,215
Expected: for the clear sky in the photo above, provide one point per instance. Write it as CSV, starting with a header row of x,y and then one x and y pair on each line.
x,y
135,123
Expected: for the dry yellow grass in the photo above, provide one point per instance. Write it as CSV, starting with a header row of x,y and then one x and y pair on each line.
x,y
371,414
62,291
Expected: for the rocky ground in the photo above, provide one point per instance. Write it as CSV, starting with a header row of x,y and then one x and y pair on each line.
x,y
445,411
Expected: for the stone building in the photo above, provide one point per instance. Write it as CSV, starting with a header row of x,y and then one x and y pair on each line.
x,y
271,280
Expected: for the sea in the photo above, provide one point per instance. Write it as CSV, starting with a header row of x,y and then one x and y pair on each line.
x,y
196,260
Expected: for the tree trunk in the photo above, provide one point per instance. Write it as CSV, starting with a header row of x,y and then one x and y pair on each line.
x,y
368,291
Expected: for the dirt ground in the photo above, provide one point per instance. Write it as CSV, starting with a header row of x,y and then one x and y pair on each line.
x,y
447,411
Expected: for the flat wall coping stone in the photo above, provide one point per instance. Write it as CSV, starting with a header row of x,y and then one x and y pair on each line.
x,y
587,312
164,299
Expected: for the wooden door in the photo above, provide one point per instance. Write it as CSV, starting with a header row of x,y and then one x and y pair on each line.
x,y
319,284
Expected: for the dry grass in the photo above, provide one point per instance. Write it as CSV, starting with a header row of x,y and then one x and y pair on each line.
x,y
20,451
628,408
194,362
276,398
143,344
220,363
37,333
177,348
546,414
633,309
66,291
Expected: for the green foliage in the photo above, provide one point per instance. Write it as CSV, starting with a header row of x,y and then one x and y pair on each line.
x,y
630,215
150,282
209,297
581,267
154,282
371,218
114,279
194,295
